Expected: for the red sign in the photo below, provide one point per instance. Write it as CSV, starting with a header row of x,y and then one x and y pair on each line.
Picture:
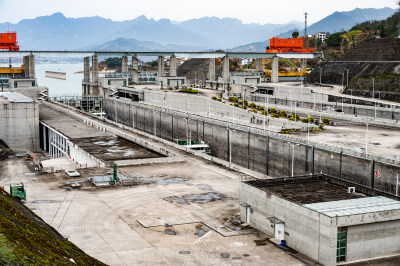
x,y
376,173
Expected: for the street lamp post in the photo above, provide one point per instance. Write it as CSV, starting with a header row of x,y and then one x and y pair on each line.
x,y
342,80
265,105
347,82
373,87
320,76
308,129
366,141
293,145
351,98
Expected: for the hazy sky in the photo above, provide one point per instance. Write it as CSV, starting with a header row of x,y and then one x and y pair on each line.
x,y
249,11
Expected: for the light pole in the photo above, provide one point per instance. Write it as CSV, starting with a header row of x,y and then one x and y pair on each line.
x,y
351,98
195,77
293,145
342,80
320,76
230,145
373,87
308,129
366,141
265,104
347,83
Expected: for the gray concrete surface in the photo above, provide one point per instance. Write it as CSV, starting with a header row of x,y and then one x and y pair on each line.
x,y
126,226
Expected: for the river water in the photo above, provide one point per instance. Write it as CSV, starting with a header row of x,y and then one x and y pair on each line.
x,y
58,87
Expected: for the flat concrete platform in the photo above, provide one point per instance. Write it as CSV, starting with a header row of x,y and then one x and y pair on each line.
x,y
68,126
102,145
177,214
111,148
381,141
306,191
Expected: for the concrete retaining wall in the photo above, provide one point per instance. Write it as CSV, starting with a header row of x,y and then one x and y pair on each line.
x,y
19,125
252,149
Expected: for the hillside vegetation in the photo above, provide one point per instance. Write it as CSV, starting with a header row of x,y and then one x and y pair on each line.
x,y
25,239
374,41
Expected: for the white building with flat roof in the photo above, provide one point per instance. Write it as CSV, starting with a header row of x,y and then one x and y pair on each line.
x,y
322,218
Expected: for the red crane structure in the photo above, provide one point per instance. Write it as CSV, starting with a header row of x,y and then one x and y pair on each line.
x,y
295,45
8,41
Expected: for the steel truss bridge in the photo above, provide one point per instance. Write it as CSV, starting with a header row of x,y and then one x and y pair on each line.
x,y
81,54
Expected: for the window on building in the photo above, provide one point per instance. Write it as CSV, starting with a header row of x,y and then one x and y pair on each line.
x,y
9,37
341,245
1,36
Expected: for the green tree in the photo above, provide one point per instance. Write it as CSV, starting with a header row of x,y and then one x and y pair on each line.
x,y
114,62
334,40
295,34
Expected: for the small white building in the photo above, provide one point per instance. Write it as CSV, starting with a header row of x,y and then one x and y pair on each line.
x,y
321,36
323,217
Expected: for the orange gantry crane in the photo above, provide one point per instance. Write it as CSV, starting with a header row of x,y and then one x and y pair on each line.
x,y
8,41
277,45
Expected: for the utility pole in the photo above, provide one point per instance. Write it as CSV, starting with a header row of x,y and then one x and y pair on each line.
x,y
305,29
305,24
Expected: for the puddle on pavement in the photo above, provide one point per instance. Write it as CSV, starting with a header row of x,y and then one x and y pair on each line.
x,y
29,173
114,148
205,187
236,224
170,231
168,181
204,198
43,201
200,230
175,199
184,252
225,255
261,242
106,143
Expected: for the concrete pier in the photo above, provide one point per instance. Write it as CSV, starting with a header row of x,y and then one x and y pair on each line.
x,y
225,69
124,67
172,66
32,74
86,69
135,70
26,65
161,66
95,70
211,69
259,64
275,69
29,63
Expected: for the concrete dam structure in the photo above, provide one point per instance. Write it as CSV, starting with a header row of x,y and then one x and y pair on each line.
x,y
271,154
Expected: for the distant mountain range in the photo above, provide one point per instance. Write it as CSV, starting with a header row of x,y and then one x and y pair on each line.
x,y
56,32
336,22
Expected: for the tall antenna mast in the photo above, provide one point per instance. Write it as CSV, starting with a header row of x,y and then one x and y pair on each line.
x,y
305,24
